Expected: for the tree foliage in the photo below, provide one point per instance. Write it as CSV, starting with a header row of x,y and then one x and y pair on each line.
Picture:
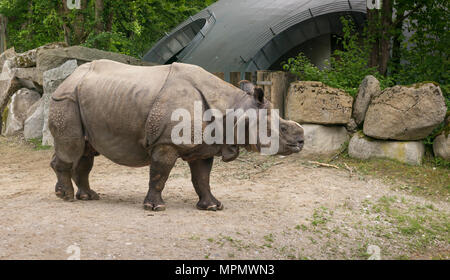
x,y
127,26
345,69
416,33
404,43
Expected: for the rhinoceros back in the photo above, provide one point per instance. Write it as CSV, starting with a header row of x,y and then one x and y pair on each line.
x,y
114,101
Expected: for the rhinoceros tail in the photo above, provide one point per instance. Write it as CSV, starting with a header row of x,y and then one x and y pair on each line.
x,y
68,89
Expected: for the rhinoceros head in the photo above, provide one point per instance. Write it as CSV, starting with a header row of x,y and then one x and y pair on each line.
x,y
290,135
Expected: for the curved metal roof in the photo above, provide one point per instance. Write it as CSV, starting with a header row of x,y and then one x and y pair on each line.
x,y
247,35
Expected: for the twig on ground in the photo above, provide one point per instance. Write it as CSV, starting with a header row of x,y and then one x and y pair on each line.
x,y
349,169
323,164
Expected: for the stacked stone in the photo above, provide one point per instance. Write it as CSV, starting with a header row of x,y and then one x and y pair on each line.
x,y
396,120
28,80
324,113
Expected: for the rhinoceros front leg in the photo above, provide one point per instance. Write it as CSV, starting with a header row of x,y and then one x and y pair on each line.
x,y
200,173
163,159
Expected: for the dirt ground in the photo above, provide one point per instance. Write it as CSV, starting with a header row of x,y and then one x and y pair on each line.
x,y
275,208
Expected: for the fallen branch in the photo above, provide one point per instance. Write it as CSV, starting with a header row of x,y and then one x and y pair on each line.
x,y
349,169
323,164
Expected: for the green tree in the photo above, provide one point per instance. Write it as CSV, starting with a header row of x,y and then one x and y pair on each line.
x,y
129,26
345,69
423,56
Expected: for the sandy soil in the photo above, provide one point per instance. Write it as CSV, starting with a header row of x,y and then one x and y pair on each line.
x,y
275,208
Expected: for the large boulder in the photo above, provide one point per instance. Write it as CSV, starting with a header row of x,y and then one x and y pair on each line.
x,y
21,102
405,113
49,59
314,102
363,147
52,79
35,121
323,140
369,88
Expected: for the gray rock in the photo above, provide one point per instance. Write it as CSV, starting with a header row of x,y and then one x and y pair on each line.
x,y
314,102
323,140
21,102
441,146
369,88
49,59
9,53
351,126
30,74
35,121
363,147
9,83
29,58
52,79
405,113
8,86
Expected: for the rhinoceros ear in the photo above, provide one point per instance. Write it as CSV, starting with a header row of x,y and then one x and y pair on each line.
x,y
259,94
247,86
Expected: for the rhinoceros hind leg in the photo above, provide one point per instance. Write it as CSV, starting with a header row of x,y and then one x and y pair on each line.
x,y
200,173
65,125
163,159
80,175
63,187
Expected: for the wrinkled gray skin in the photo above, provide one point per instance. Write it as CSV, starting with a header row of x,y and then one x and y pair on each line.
x,y
124,113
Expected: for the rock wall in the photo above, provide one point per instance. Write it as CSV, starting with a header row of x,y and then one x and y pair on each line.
x,y
42,70
314,102
363,147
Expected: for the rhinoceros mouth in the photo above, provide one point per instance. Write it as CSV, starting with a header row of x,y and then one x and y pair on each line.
x,y
293,148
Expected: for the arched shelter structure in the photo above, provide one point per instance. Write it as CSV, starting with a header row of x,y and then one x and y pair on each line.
x,y
250,35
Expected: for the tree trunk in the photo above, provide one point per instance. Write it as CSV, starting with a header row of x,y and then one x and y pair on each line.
x,y
99,7
385,40
373,34
396,54
3,25
79,31
63,11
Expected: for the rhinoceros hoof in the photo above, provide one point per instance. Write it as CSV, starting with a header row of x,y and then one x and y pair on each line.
x,y
150,206
213,207
64,194
89,195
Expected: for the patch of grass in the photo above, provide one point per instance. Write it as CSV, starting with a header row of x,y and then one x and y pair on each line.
x,y
321,216
194,237
269,238
431,179
402,257
419,226
37,144
301,227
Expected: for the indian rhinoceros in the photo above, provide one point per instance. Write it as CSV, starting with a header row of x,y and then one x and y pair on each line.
x,y
124,113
